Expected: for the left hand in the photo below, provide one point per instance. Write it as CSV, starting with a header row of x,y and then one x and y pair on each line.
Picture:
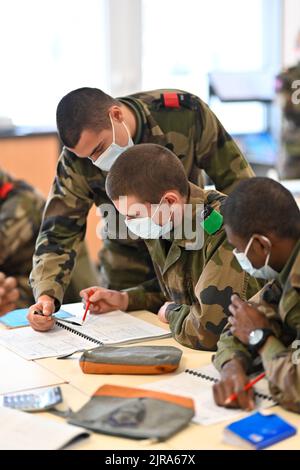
x,y
245,318
162,312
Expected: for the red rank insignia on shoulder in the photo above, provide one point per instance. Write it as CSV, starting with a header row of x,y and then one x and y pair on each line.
x,y
171,100
5,189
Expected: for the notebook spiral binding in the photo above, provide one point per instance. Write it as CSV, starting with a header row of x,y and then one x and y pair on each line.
x,y
213,379
68,328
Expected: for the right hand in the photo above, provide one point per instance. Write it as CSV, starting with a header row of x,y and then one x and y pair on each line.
x,y
104,300
45,305
9,293
233,380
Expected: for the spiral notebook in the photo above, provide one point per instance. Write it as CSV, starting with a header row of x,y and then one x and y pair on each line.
x,y
197,384
106,329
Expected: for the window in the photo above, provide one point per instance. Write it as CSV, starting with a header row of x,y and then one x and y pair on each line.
x,y
184,40
48,48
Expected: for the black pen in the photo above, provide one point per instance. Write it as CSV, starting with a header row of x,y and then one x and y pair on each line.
x,y
38,312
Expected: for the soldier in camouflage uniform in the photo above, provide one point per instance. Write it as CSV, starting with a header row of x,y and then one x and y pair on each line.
x,y
88,122
288,88
196,276
21,209
267,331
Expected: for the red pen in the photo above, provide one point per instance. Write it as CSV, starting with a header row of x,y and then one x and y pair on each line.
x,y
249,385
87,307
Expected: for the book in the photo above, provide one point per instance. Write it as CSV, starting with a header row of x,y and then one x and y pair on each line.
x,y
197,384
258,431
25,431
103,329
18,318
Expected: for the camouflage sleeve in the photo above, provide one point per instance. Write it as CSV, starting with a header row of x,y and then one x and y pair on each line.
x,y
199,326
228,348
20,218
62,231
146,296
218,154
282,368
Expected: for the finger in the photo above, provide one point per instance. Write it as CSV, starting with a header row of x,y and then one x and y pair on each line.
x,y
218,395
100,294
236,300
13,295
7,308
2,277
10,283
48,308
85,293
232,309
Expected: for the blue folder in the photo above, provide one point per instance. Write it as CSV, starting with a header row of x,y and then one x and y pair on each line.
x,y
17,318
258,431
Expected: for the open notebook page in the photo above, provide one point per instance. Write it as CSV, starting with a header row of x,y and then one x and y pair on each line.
x,y
109,328
31,344
200,390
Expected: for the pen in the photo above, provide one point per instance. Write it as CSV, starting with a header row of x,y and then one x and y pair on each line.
x,y
249,385
91,292
38,312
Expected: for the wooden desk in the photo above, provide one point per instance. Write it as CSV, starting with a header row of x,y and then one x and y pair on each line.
x,y
194,437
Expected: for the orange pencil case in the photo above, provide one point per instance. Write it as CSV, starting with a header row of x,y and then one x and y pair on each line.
x,y
144,360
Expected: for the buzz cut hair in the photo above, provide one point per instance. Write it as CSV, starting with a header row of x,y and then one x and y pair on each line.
x,y
146,171
84,108
261,205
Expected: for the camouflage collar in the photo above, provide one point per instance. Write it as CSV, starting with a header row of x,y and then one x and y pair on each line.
x,y
291,269
147,126
140,119
197,198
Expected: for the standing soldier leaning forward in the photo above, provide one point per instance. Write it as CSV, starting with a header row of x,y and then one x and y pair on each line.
x,y
98,128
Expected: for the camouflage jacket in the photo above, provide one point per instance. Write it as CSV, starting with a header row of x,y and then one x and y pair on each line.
x,y
191,131
200,281
288,88
280,301
21,209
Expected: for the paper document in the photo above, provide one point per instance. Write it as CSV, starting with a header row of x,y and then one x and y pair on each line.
x,y
109,328
25,431
200,390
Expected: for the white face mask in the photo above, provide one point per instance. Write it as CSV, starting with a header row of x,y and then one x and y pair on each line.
x,y
145,227
265,272
107,158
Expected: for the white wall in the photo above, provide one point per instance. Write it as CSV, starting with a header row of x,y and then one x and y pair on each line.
x,y
291,27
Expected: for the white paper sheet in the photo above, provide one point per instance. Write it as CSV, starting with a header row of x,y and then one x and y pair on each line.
x,y
25,431
200,390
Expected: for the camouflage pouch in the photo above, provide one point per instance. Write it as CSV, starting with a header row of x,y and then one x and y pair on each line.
x,y
145,360
134,413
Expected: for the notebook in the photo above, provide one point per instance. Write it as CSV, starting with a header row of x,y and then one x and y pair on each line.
x,y
197,384
109,328
258,431
25,431
17,318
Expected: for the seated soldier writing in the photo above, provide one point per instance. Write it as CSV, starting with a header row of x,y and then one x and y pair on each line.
x,y
262,220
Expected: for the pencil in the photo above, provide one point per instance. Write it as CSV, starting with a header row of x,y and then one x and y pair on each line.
x,y
249,385
87,305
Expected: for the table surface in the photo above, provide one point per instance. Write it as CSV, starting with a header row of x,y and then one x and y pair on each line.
x,y
79,388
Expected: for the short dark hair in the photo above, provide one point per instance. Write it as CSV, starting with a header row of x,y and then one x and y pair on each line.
x,y
146,171
84,108
261,205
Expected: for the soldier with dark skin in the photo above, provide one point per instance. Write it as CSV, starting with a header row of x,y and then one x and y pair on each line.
x,y
196,272
21,209
95,129
262,220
